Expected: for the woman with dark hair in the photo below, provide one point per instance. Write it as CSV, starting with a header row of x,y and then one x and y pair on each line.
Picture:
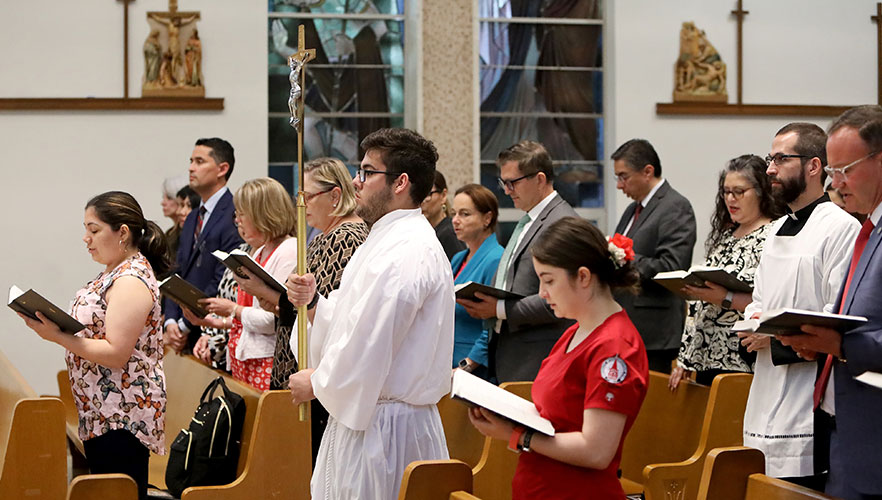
x,y
744,208
115,363
437,211
594,380
475,213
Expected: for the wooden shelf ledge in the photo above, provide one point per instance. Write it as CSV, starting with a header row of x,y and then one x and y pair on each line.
x,y
709,108
112,104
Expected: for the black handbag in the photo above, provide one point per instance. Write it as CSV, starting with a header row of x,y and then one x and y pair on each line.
x,y
207,452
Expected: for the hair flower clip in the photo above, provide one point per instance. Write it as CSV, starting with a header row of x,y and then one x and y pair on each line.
x,y
621,249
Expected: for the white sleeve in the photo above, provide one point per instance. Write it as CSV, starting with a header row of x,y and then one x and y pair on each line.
x,y
837,260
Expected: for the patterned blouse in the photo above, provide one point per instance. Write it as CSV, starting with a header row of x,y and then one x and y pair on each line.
x,y
326,257
219,337
708,342
133,397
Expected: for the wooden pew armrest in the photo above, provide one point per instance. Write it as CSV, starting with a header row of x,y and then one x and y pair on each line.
x,y
105,486
435,479
672,480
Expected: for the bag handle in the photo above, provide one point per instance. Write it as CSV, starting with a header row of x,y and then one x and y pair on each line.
x,y
209,391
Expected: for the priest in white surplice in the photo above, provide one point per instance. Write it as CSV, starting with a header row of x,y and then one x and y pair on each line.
x,y
802,266
380,345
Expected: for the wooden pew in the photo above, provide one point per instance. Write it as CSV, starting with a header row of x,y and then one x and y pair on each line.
x,y
735,473
33,458
464,442
463,495
435,479
667,429
275,452
722,426
103,487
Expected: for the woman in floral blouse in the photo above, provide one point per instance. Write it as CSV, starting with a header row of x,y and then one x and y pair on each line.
x,y
744,208
115,363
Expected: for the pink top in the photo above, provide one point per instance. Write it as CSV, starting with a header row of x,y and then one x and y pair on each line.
x,y
133,397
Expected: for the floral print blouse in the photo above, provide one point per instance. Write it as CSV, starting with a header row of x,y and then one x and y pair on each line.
x,y
133,397
708,342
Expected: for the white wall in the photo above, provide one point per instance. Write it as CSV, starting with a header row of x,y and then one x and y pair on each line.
x,y
795,52
53,162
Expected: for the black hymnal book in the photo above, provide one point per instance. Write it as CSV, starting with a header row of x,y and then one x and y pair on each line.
x,y
789,321
475,391
28,303
467,291
238,259
697,275
184,294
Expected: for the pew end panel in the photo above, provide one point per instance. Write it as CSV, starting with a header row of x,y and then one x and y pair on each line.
x,y
464,442
722,426
463,495
278,460
725,472
435,479
103,487
667,429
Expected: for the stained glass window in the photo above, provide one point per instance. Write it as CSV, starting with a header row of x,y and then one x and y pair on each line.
x,y
354,86
541,78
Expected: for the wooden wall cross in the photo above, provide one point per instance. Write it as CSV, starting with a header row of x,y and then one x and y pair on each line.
x,y
739,15
126,47
878,20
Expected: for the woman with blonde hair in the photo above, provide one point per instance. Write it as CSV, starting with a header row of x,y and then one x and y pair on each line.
x,y
266,218
330,208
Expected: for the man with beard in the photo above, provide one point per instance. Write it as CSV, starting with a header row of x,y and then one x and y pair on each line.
x,y
802,267
381,344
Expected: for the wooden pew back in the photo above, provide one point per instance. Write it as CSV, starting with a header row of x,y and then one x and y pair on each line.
x,y
667,429
435,479
103,486
33,456
762,487
722,426
464,442
497,465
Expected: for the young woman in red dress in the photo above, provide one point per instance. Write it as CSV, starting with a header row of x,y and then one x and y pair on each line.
x,y
594,380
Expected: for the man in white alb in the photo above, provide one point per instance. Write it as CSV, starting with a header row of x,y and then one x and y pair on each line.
x,y
380,345
802,266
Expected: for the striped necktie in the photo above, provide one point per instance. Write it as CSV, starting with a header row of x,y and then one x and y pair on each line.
x,y
198,229
502,273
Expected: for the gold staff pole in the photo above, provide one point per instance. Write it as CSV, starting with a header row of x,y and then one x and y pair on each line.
x,y
297,63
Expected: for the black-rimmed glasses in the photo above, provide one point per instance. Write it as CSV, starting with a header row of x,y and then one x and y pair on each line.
x,y
363,173
509,183
736,193
780,158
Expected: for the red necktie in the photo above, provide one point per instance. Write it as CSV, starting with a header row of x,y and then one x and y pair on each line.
x,y
198,229
859,244
637,211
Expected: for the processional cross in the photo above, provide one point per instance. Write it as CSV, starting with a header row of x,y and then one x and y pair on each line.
x,y
297,63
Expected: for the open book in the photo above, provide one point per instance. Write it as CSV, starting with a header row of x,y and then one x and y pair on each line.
x,y
184,294
28,303
697,275
238,259
467,291
475,391
788,321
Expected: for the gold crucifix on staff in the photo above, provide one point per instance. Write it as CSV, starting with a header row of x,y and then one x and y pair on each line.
x,y
297,63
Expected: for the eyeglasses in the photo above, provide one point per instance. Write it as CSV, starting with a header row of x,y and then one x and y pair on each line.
x,y
309,196
736,193
622,177
780,158
509,184
840,172
362,173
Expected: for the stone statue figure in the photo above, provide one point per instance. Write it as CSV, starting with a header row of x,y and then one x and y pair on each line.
x,y
166,77
173,25
193,59
152,55
700,73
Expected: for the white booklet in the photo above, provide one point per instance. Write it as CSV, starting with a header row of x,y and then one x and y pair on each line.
x,y
237,259
789,321
475,391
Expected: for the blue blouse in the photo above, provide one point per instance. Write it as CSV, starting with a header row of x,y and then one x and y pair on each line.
x,y
470,338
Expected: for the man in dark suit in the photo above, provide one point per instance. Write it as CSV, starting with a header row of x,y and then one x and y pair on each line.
x,y
209,227
662,225
854,145
523,331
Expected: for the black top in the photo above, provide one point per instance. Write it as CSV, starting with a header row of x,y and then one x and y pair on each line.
x,y
444,231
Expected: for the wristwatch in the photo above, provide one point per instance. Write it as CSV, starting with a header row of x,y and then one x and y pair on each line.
x,y
727,302
464,365
528,435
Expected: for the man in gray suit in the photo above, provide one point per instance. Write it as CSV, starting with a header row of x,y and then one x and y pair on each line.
x,y
523,331
662,225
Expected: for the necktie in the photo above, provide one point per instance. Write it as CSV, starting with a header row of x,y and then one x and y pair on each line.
x,y
859,244
637,210
198,228
509,250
